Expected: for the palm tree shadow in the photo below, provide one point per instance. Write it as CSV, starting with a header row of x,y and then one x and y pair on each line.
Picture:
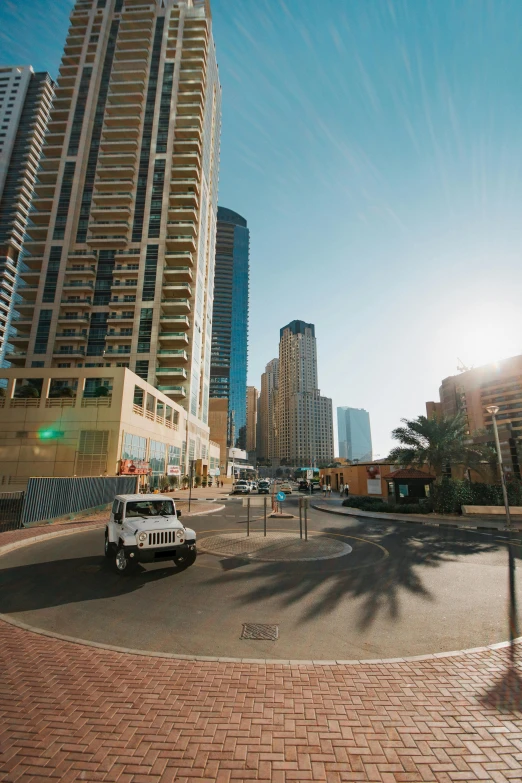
x,y
506,694
380,581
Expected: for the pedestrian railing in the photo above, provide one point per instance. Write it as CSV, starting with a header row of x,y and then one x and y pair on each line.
x,y
11,505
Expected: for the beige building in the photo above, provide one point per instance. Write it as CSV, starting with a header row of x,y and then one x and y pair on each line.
x,y
122,252
304,417
473,391
90,422
251,432
25,102
218,422
266,446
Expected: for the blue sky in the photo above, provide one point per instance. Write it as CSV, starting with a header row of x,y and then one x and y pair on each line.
x,y
375,148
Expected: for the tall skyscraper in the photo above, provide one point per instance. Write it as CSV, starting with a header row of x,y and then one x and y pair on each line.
x,y
266,447
355,437
123,245
228,371
25,101
305,424
252,404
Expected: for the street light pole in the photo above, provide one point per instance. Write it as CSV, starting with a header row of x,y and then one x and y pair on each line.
x,y
513,619
190,486
493,410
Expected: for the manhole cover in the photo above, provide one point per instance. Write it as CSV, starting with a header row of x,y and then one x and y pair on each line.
x,y
266,633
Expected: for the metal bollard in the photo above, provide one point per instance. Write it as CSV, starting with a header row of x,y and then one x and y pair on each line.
x,y
248,517
300,517
306,523
264,523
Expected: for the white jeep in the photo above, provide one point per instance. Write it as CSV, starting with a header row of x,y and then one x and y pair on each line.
x,y
146,529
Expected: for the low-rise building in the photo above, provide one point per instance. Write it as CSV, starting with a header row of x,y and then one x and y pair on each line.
x,y
363,479
92,422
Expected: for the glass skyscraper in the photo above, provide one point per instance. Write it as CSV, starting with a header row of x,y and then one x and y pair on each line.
x,y
228,370
355,437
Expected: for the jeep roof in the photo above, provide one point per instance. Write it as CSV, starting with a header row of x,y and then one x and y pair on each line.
x,y
126,498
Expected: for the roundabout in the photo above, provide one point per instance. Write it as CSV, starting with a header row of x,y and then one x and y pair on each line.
x,y
356,590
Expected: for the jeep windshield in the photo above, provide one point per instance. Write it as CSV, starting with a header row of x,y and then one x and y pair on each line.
x,y
149,508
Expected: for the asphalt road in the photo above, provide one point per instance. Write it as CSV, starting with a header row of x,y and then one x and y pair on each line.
x,y
403,590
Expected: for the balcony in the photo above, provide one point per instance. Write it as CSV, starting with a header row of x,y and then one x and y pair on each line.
x,y
90,270
122,110
108,226
123,133
115,198
188,132
126,92
112,185
171,372
187,199
112,351
73,335
124,285
75,318
77,351
176,322
133,254
122,146
19,339
28,292
109,241
184,184
174,289
167,354
118,213
83,254
123,301
16,357
177,392
118,159
173,338
122,317
75,285
180,274
178,305
179,260
78,301
183,227
112,334
178,242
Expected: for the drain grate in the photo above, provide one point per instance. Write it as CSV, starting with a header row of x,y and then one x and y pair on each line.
x,y
267,633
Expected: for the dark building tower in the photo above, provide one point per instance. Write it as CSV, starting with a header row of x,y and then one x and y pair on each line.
x,y
228,371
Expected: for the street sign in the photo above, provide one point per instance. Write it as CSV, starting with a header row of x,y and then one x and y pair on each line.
x,y
280,497
255,501
309,474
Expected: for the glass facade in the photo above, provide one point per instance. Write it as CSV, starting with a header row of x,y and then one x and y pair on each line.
x,y
228,370
355,437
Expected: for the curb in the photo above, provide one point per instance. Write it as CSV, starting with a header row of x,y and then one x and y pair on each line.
x,y
433,657
411,518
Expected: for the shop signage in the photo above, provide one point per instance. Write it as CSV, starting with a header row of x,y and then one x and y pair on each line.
x,y
134,467
173,470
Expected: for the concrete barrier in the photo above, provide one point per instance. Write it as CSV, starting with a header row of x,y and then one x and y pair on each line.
x,y
491,510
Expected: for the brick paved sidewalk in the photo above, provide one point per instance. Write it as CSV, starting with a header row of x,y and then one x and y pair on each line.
x,y
72,712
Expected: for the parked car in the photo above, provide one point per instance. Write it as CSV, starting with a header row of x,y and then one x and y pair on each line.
x,y
146,529
285,487
263,488
241,488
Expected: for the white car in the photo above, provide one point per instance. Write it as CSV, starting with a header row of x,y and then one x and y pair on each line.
x,y
241,488
146,529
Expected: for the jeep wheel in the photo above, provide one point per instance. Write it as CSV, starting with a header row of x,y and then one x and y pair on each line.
x,y
186,560
109,547
124,564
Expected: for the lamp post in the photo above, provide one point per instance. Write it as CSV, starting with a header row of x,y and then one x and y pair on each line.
x,y
513,621
493,410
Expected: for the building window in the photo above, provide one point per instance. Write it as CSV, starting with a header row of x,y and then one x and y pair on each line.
x,y
134,447
156,199
64,200
149,277
42,331
145,330
142,369
79,111
141,190
91,457
51,276
164,112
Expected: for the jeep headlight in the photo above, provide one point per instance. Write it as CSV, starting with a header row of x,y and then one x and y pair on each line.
x,y
142,537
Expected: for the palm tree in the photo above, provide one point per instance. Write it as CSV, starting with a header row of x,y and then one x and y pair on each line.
x,y
438,442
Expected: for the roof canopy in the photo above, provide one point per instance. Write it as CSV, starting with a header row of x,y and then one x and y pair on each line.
x,y
409,473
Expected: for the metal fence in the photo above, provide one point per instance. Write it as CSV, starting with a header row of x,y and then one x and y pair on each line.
x,y
11,504
49,498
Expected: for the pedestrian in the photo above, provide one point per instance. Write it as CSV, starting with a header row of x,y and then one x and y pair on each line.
x,y
323,487
346,489
341,487
329,489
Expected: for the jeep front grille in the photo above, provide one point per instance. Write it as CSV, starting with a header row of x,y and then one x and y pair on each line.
x,y
162,538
